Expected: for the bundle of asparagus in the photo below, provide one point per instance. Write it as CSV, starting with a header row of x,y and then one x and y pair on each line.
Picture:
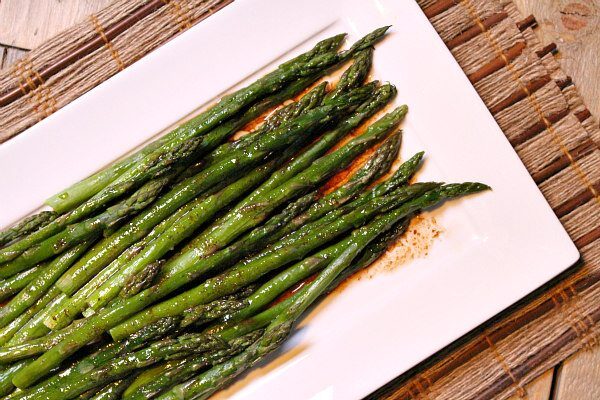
x,y
170,262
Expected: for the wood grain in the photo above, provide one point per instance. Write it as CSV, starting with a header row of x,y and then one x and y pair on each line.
x,y
579,376
27,23
574,25
539,389
8,55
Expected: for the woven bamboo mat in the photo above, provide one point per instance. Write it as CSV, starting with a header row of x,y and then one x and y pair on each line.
x,y
534,102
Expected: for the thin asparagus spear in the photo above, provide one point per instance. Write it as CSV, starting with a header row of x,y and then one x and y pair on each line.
x,y
216,309
251,214
200,212
277,331
35,327
352,78
10,331
280,138
15,283
227,330
248,272
160,167
6,386
81,231
228,106
25,227
35,290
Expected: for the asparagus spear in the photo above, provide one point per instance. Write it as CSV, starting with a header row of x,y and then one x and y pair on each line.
x,y
25,227
277,331
251,214
85,189
247,272
352,78
82,231
6,386
159,167
200,212
35,328
113,390
228,106
227,330
12,285
35,290
306,124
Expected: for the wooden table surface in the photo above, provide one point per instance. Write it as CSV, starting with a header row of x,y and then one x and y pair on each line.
x,y
574,25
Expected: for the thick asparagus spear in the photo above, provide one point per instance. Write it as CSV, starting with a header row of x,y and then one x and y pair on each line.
x,y
25,227
228,106
248,272
35,290
277,331
200,212
85,189
113,390
238,221
352,78
81,231
160,167
15,283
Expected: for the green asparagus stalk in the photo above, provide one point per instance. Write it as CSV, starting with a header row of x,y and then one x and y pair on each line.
x,y
152,164
227,330
248,272
179,371
200,212
11,332
15,283
160,167
352,78
25,227
277,331
35,327
311,100
35,290
237,221
216,309
81,231
6,386
280,138
113,390
107,250
323,215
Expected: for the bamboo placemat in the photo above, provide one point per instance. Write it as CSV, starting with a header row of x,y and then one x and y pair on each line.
x,y
534,102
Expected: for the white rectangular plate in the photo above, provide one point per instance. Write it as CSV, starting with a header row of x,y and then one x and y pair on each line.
x,y
497,247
